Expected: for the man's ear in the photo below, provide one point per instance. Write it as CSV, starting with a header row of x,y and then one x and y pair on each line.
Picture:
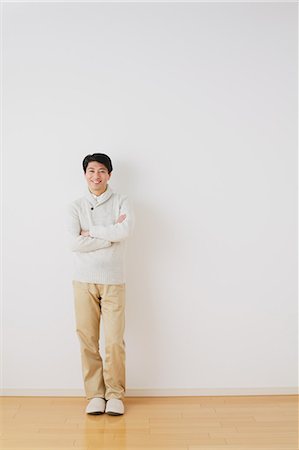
x,y
110,175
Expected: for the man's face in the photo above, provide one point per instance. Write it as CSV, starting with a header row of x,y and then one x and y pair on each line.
x,y
97,177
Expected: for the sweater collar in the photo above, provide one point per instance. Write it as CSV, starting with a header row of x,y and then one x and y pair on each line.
x,y
98,200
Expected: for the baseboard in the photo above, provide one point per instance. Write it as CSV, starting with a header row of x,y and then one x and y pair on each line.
x,y
131,392
202,392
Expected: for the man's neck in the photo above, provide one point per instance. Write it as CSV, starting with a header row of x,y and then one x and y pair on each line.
x,y
97,193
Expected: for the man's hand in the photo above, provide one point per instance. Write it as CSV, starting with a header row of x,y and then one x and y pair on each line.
x,y
84,233
121,218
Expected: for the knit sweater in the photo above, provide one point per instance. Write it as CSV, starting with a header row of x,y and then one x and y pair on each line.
x,y
100,257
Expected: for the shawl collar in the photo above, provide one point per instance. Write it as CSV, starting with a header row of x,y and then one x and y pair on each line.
x,y
101,198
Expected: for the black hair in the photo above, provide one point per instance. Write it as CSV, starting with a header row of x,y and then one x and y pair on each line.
x,y
99,157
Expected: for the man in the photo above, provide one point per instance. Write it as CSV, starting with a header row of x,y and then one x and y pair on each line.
x,y
99,224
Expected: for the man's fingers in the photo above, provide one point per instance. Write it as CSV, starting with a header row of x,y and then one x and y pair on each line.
x,y
121,218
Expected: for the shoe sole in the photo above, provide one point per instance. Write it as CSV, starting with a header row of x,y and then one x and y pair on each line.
x,y
110,413
97,413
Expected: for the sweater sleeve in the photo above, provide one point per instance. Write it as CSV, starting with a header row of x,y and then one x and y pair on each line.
x,y
118,231
78,243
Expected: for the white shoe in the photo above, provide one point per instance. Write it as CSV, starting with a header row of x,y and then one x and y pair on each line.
x,y
96,406
114,407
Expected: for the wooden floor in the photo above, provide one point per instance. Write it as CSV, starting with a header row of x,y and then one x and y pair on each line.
x,y
176,423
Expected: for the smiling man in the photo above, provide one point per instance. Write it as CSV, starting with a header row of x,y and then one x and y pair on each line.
x,y
99,224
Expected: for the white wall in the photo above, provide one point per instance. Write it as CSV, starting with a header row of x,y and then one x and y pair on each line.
x,y
196,105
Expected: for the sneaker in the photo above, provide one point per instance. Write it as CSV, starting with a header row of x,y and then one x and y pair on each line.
x,y
96,406
114,407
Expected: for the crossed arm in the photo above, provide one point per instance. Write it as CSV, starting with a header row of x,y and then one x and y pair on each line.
x,y
118,231
98,236
119,220
78,242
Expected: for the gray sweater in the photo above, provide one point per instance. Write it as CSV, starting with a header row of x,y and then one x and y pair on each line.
x,y
99,258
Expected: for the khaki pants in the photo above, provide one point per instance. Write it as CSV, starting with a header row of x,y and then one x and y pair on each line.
x,y
91,302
